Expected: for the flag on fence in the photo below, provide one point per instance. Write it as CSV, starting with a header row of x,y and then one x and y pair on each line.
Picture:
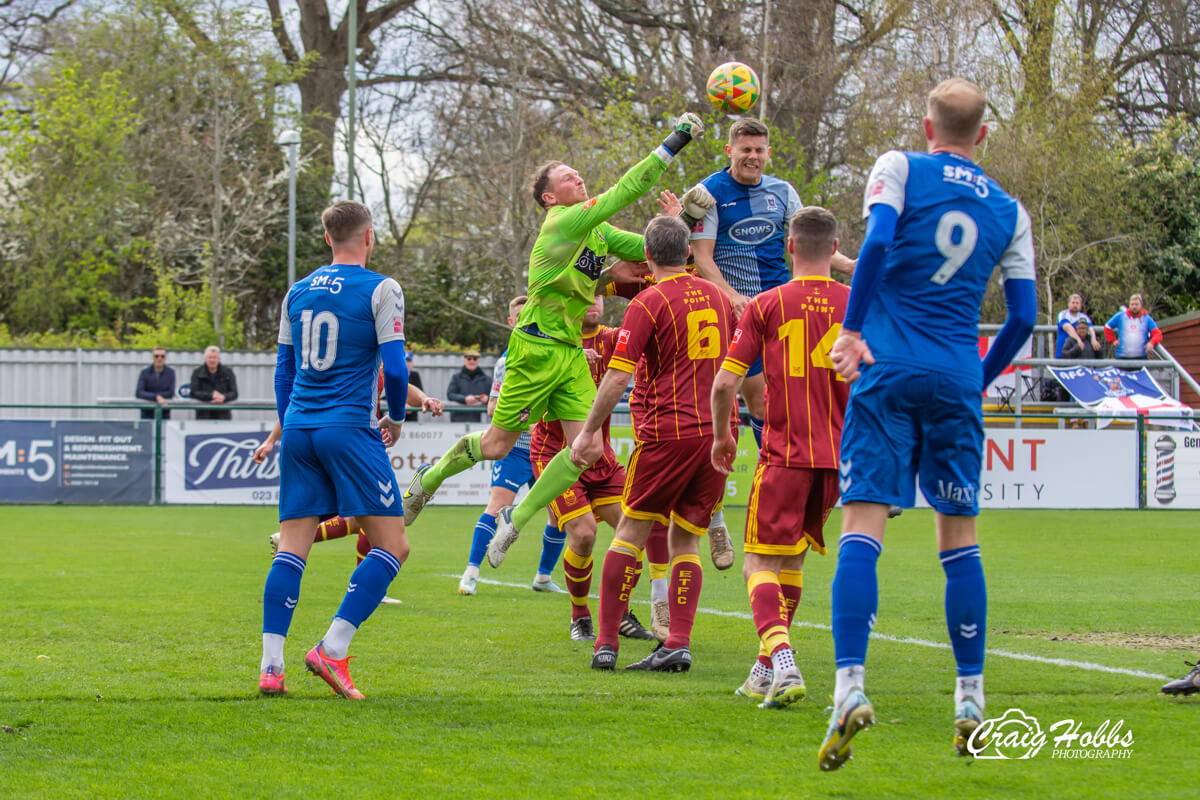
x,y
1122,392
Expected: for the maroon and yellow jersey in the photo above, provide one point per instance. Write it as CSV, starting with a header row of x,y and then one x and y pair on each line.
x,y
680,328
547,437
793,327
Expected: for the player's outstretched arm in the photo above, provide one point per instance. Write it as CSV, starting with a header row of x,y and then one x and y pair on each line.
x,y
1021,296
850,350
577,220
724,393
418,399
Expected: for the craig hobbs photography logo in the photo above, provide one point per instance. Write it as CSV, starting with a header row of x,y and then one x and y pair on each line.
x,y
1018,735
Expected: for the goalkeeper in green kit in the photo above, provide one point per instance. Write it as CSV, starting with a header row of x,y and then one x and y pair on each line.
x,y
547,370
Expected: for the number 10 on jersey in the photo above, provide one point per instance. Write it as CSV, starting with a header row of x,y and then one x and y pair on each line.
x,y
318,334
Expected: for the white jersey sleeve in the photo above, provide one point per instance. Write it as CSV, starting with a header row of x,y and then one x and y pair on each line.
x,y
285,323
387,305
498,375
707,227
1017,260
886,182
794,204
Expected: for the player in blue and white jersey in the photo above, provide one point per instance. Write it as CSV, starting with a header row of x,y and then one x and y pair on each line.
x,y
509,474
739,246
336,326
937,227
739,243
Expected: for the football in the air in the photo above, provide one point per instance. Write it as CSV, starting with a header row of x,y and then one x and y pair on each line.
x,y
733,87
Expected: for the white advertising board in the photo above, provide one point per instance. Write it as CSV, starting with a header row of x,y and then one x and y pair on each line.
x,y
211,461
1034,468
1172,470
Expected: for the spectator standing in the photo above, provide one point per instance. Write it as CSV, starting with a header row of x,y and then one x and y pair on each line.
x,y
1067,319
1083,345
1133,330
213,382
469,386
414,379
156,384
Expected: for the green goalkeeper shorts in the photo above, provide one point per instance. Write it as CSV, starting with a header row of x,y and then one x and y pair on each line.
x,y
543,377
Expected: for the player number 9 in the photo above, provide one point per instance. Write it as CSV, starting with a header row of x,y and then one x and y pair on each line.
x,y
956,254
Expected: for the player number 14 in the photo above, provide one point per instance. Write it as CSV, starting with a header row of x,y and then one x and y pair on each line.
x,y
794,332
956,254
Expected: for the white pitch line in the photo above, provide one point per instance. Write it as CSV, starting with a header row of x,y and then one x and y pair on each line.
x,y
1057,662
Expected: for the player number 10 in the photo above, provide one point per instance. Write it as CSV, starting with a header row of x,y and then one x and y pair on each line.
x,y
794,332
317,333
956,254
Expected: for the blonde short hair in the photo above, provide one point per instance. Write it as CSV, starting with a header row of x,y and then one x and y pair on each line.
x,y
956,108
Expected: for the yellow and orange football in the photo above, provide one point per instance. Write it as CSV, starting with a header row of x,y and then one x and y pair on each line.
x,y
733,88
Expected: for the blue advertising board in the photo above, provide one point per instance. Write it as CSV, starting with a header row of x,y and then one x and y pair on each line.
x,y
73,461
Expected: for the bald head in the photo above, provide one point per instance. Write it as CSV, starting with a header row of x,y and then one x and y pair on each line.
x,y
955,108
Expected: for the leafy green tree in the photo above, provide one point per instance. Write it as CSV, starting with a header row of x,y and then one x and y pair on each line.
x,y
1163,181
75,254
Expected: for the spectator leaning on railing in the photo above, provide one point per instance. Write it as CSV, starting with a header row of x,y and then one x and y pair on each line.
x,y
469,386
1133,330
156,384
213,382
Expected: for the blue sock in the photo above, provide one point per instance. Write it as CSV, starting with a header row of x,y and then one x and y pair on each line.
x,y
553,541
756,426
368,584
282,592
966,607
855,597
485,529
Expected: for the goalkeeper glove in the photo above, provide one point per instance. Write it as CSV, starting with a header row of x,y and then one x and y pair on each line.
x,y
687,127
696,202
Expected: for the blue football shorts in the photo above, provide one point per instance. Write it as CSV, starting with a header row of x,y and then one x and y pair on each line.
x,y
905,425
336,470
513,471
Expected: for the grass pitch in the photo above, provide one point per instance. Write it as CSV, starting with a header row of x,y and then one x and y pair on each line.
x,y
132,640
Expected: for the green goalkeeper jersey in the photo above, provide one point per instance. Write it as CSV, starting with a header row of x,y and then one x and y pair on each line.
x,y
571,250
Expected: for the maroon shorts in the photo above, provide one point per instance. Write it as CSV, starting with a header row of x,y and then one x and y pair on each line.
x,y
674,480
788,509
601,484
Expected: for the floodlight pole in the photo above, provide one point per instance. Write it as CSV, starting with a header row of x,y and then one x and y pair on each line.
x,y
352,34
290,140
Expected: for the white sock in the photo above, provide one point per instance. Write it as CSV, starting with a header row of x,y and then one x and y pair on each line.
x,y
337,639
272,652
761,670
658,590
471,571
969,686
718,518
540,578
847,678
782,660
